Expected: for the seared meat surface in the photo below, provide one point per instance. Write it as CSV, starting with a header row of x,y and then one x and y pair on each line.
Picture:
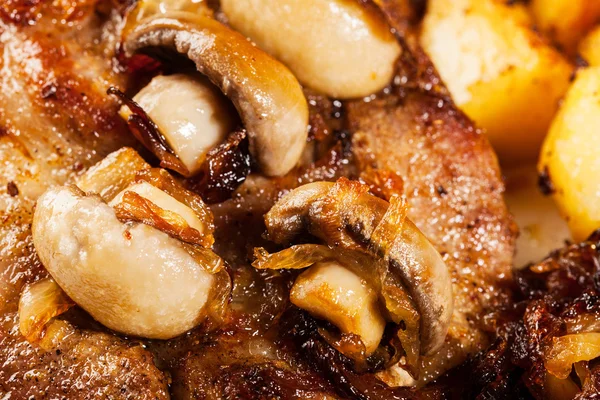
x,y
85,365
56,121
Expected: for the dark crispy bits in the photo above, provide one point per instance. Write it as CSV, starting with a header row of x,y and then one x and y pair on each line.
x,y
225,168
267,381
545,183
544,341
303,331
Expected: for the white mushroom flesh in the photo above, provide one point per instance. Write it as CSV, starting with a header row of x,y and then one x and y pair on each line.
x,y
164,201
337,47
133,278
332,292
190,112
396,376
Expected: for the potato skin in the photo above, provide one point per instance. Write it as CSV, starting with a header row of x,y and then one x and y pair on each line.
x,y
500,73
570,155
565,22
589,47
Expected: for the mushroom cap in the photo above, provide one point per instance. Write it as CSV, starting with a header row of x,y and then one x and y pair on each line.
x,y
266,94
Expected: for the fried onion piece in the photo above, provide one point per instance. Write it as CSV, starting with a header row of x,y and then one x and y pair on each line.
x,y
164,181
146,131
209,260
136,208
224,169
569,349
40,302
296,257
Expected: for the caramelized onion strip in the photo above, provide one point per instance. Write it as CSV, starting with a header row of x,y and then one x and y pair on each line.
x,y
134,207
39,303
162,180
146,131
295,257
569,349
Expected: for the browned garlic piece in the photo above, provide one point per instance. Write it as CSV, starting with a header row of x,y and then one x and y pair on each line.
x,y
332,292
337,47
190,112
131,277
267,96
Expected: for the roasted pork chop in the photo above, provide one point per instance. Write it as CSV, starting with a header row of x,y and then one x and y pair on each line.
x,y
56,120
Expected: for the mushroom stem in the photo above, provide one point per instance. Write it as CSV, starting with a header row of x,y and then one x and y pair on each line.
x,y
330,291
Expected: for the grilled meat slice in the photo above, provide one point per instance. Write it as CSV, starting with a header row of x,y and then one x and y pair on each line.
x,y
86,365
56,120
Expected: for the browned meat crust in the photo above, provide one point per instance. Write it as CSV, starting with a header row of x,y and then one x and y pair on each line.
x,y
57,121
86,365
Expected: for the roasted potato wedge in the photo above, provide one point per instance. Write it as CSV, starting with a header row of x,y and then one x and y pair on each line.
x,y
565,22
589,48
499,71
569,157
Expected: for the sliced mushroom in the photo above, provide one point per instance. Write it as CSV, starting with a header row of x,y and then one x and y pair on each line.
x,y
345,215
190,112
154,279
146,8
332,292
266,94
131,278
338,47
